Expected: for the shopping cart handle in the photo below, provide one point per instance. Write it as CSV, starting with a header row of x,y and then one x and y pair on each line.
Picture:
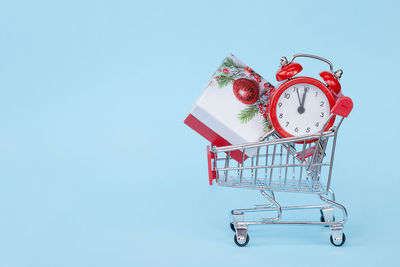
x,y
343,106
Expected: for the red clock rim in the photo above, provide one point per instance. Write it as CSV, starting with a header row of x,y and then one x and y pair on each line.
x,y
272,111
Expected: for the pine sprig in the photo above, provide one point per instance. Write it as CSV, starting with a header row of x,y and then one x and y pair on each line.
x,y
266,125
224,80
228,72
228,63
248,113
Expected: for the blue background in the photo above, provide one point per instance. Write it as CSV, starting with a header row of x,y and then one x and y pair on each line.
x,y
98,169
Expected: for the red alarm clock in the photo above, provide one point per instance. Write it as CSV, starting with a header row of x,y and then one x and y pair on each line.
x,y
302,105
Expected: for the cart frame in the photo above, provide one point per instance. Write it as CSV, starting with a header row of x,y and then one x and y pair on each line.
x,y
267,165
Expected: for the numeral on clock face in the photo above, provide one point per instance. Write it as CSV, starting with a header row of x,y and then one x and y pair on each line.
x,y
303,106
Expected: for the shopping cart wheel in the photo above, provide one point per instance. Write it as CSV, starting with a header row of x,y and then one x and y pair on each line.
x,y
338,241
243,242
232,227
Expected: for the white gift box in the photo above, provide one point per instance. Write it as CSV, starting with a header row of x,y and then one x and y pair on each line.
x,y
216,114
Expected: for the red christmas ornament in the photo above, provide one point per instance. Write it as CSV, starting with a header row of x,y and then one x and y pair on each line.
x,y
225,71
246,91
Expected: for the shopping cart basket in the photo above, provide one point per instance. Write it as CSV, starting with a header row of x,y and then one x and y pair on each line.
x,y
297,164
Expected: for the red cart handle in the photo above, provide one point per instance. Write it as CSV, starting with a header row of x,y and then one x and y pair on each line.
x,y
343,106
211,174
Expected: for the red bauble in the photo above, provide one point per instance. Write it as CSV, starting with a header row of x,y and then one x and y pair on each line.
x,y
246,91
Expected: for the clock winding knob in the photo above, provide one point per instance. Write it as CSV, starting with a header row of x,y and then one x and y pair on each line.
x,y
338,74
284,61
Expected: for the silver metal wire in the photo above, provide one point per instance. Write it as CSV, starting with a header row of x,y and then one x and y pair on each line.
x,y
266,165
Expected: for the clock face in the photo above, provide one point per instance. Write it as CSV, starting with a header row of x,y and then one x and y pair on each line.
x,y
302,109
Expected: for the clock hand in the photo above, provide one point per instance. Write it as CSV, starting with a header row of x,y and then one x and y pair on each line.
x,y
304,97
301,109
298,95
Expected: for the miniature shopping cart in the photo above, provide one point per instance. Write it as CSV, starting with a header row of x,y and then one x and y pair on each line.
x,y
296,164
